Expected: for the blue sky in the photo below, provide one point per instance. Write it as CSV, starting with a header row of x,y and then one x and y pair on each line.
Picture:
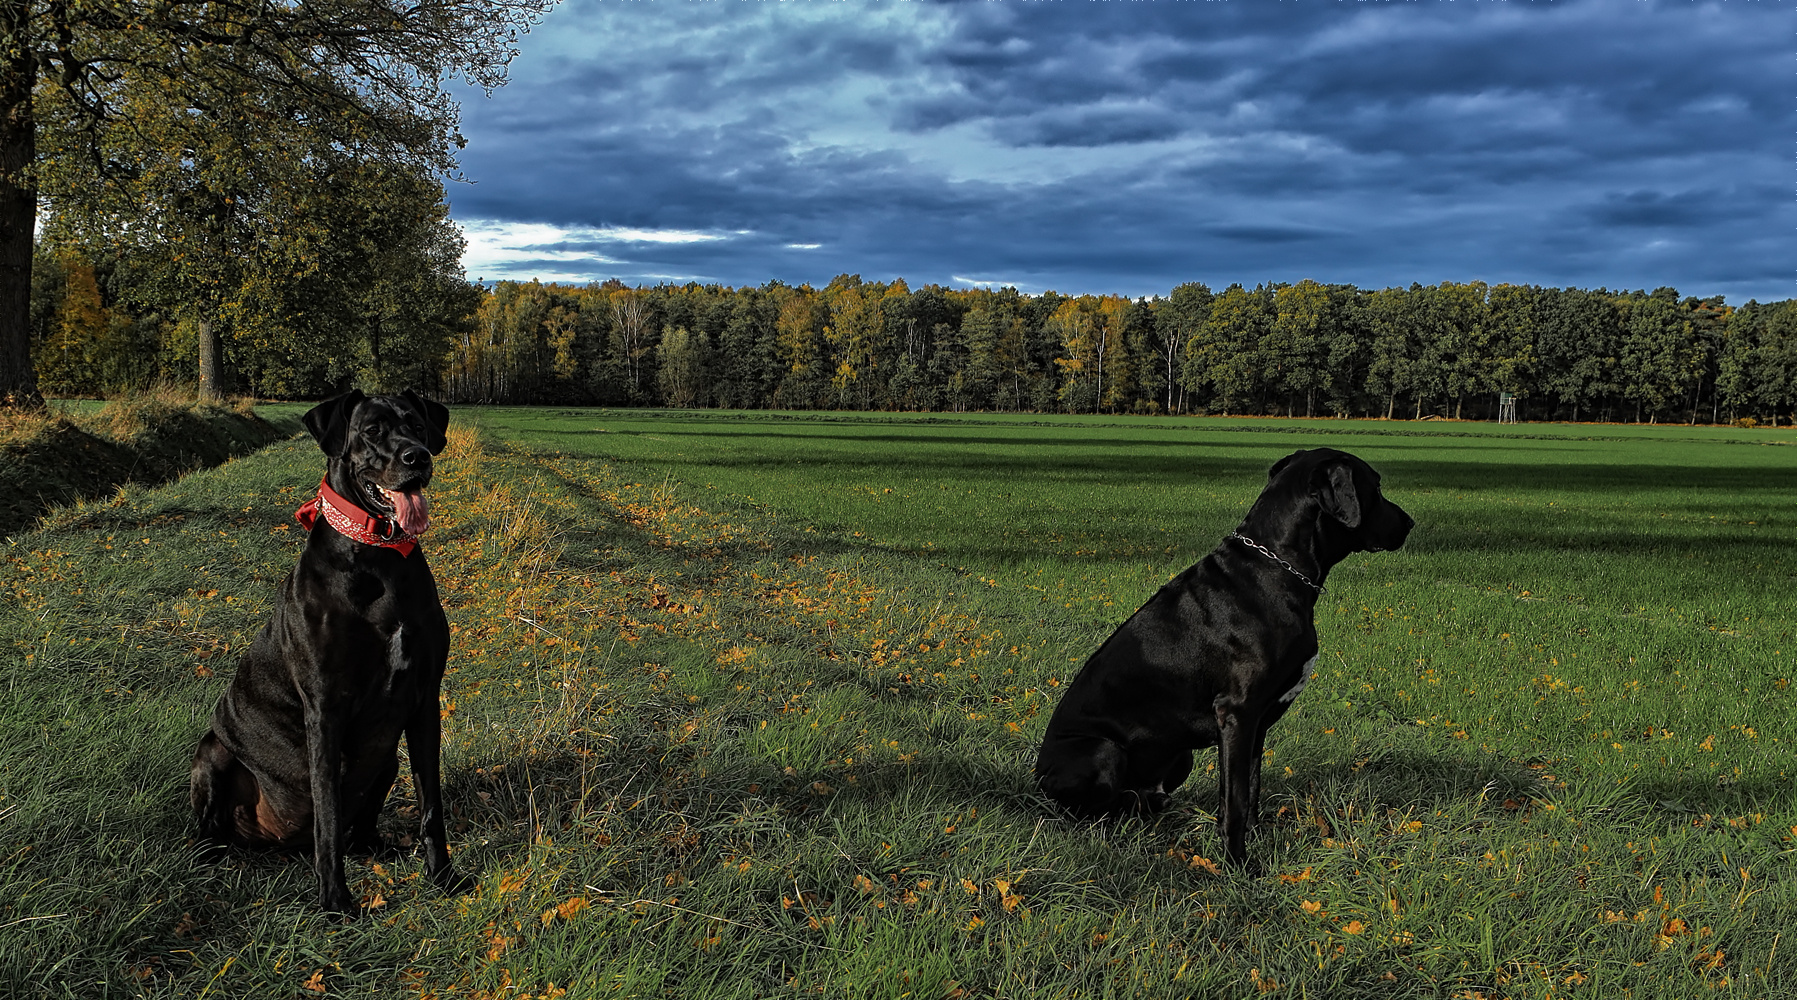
x,y
1126,147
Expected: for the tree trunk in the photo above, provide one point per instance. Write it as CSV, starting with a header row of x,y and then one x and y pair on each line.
x,y
212,373
18,204
1170,379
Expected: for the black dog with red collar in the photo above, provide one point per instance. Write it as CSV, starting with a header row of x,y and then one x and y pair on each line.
x,y
304,744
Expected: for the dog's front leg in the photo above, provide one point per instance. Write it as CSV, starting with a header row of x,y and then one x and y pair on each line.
x,y
324,742
424,738
1235,779
1256,753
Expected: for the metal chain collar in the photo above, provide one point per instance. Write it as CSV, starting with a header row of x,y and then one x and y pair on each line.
x,y
1270,554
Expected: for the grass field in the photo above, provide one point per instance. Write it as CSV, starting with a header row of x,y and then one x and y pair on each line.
x,y
744,705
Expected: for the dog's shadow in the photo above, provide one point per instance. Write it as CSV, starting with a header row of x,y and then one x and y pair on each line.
x,y
653,791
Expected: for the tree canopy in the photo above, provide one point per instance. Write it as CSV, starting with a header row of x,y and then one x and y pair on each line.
x,y
204,123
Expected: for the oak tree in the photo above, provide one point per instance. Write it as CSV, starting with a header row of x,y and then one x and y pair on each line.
x,y
102,105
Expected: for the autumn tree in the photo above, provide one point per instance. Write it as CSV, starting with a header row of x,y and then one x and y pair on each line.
x,y
1112,343
799,348
68,359
858,335
681,374
1079,327
1449,347
1177,320
1292,349
630,334
100,104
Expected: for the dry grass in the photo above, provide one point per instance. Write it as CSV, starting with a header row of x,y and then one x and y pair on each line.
x,y
127,416
74,450
19,425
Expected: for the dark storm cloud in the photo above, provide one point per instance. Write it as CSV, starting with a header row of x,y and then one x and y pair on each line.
x,y
1111,147
1267,234
1682,209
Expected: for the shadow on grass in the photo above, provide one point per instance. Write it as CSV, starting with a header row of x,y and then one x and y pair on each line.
x,y
724,792
69,463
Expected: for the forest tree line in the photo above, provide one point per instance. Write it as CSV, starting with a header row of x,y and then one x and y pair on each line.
x,y
1304,349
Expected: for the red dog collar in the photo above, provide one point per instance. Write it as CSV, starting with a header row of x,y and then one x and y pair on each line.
x,y
353,522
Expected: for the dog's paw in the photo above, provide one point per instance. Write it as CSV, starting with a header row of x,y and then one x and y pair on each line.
x,y
454,882
341,903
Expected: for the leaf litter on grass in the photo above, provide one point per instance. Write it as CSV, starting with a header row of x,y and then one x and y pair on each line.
x,y
771,763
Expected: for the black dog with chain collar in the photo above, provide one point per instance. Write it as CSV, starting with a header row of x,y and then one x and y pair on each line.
x,y
1218,654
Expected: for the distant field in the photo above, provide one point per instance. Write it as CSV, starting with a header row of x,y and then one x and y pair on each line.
x,y
744,705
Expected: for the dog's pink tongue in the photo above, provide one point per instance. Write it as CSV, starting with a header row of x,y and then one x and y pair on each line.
x,y
411,509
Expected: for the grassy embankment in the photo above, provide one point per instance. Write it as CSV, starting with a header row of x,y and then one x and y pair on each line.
x,y
76,449
744,706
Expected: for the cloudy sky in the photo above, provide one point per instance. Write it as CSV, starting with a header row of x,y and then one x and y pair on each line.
x,y
1129,146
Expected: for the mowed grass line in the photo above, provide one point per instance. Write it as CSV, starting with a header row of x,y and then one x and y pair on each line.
x,y
704,742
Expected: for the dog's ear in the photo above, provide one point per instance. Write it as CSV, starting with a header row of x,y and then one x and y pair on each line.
x,y
329,421
1335,490
436,421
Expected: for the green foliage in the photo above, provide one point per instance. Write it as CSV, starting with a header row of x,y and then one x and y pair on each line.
x,y
376,304
683,357
204,133
88,348
1448,350
387,308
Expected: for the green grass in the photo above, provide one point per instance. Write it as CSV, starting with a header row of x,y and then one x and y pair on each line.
x,y
745,704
